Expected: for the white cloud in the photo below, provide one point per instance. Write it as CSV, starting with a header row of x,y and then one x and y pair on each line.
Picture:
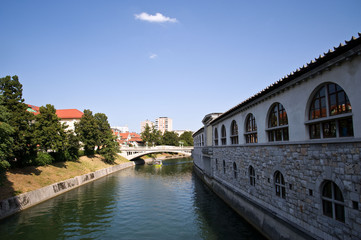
x,y
158,18
153,55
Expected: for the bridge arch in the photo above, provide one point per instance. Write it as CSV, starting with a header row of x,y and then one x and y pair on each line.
x,y
131,153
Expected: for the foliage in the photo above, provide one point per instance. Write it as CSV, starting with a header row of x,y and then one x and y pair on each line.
x,y
43,159
23,148
186,138
170,138
151,136
87,130
107,146
72,147
6,141
49,133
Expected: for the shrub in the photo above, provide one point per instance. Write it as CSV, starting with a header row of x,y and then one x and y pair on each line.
x,y
43,159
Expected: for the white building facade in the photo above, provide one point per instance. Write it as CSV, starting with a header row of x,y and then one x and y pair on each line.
x,y
288,159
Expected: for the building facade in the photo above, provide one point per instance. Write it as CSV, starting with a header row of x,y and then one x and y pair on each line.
x,y
164,124
288,158
143,124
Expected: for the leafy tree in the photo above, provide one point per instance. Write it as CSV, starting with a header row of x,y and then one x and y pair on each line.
x,y
107,146
170,138
6,141
24,149
156,136
87,130
48,131
186,138
146,134
72,146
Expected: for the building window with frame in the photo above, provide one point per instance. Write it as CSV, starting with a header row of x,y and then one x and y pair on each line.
x,y
224,167
332,201
216,164
234,132
280,185
252,176
277,123
224,135
251,129
215,137
330,114
235,170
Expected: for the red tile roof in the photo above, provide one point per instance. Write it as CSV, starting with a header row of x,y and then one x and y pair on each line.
x,y
69,113
62,113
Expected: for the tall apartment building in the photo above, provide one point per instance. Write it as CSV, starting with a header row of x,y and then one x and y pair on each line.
x,y
144,123
164,124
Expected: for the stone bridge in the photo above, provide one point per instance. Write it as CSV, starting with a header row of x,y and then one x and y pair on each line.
x,y
131,153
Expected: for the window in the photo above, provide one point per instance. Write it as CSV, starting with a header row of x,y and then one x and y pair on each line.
x,y
216,164
277,123
224,136
251,129
234,132
215,137
252,176
280,185
332,201
330,113
202,140
224,167
235,170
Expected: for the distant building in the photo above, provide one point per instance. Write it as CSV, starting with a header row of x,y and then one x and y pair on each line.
x,y
68,116
144,123
164,124
128,139
124,129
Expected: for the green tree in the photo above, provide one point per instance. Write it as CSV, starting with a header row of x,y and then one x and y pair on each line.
x,y
107,146
87,130
24,149
6,141
156,136
170,138
186,138
48,131
146,134
72,146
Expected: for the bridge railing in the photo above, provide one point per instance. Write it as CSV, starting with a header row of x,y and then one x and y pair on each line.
x,y
162,147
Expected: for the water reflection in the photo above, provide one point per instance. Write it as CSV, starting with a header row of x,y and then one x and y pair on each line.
x,y
144,202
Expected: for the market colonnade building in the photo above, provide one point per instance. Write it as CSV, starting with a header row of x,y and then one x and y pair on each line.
x,y
288,158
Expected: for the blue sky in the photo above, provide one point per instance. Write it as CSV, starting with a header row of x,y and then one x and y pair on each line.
x,y
123,59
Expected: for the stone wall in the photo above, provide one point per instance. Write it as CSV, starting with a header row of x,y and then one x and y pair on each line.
x,y
304,167
14,204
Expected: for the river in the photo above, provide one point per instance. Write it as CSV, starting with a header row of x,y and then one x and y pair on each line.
x,y
142,202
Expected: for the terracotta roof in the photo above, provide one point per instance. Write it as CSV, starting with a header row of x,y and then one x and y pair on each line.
x,y
69,113
62,113
313,64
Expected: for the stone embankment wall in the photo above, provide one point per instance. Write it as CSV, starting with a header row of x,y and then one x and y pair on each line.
x,y
305,167
14,204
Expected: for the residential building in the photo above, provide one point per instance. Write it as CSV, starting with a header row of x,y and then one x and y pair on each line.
x,y
144,123
164,124
123,129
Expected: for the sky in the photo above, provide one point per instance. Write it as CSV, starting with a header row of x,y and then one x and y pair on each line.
x,y
136,60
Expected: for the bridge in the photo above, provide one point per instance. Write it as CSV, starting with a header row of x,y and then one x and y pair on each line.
x,y
131,153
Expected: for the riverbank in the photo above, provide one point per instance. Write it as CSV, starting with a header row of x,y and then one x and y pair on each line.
x,y
22,180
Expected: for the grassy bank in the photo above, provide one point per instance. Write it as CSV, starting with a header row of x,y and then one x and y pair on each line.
x,y
17,181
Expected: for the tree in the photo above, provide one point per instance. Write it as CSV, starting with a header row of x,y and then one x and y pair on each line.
x,y
186,138
107,146
6,141
156,136
87,130
49,133
24,149
72,146
170,138
146,134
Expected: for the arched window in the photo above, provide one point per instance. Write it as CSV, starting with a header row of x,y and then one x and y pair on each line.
x,y
223,136
332,201
251,129
330,113
234,132
215,137
235,170
224,167
277,123
280,184
252,176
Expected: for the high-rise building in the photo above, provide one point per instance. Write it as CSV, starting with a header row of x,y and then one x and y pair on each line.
x,y
164,124
144,123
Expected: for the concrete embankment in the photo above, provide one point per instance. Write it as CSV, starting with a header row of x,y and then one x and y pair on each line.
x,y
17,203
